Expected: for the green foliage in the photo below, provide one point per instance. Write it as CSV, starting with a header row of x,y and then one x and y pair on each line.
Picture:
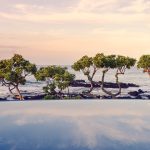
x,y
66,98
49,72
130,62
50,97
77,97
50,88
144,62
15,70
98,60
83,64
72,98
61,78
122,61
113,61
110,61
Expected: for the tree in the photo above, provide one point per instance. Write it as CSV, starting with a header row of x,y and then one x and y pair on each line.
x,y
13,72
47,73
50,89
55,77
144,62
86,65
120,63
63,80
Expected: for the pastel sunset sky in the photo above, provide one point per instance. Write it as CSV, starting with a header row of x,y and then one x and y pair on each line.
x,y
61,31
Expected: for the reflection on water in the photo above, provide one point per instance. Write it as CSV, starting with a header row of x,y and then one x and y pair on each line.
x,y
75,125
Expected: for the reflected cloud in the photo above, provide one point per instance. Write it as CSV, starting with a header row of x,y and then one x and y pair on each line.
x,y
75,125
76,108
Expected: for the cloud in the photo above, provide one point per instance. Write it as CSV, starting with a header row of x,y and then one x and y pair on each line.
x,y
24,8
88,18
8,47
113,6
137,6
86,12
82,24
82,10
19,6
91,6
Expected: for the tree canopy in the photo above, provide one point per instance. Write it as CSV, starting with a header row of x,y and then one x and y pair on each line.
x,y
63,81
120,63
144,62
87,66
14,71
56,77
48,72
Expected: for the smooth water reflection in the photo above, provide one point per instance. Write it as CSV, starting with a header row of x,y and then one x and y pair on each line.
x,y
75,125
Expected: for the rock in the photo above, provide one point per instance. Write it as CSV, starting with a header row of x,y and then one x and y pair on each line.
x,y
138,97
106,97
79,80
98,96
82,83
88,96
125,97
137,93
35,97
145,97
3,99
132,85
141,91
134,93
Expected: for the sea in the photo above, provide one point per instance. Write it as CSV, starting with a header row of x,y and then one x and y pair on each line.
x,y
75,125
133,75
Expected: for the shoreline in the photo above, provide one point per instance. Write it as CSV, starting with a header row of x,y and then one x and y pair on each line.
x,y
83,94
132,95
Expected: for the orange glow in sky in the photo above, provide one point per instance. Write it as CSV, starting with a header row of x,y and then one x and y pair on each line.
x,y
60,32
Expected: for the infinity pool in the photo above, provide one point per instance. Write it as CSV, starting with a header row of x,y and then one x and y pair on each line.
x,y
75,125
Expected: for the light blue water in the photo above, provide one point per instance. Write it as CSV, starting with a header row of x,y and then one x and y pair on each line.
x,y
75,125
133,75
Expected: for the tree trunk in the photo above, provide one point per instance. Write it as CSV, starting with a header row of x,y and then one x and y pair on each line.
x,y
149,72
60,94
69,93
19,94
10,90
91,80
92,86
118,83
17,89
109,92
91,83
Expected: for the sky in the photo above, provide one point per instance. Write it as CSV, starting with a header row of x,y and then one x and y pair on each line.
x,y
61,31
